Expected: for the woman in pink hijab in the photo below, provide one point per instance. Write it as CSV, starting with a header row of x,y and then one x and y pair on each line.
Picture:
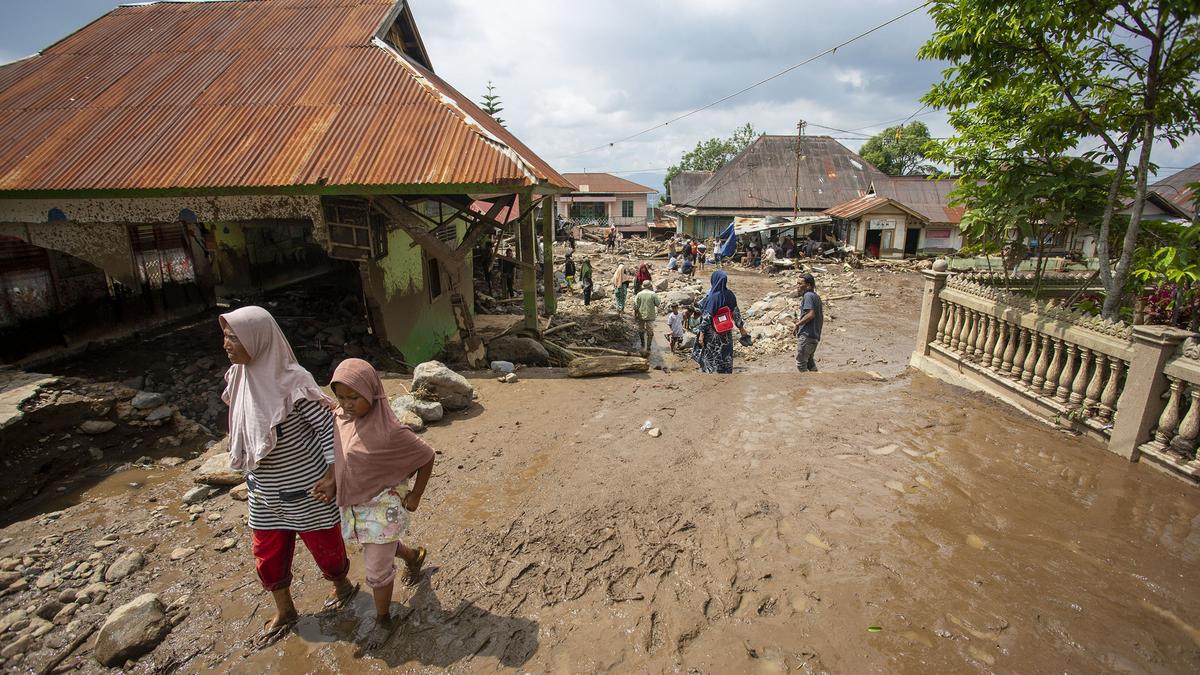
x,y
281,436
376,456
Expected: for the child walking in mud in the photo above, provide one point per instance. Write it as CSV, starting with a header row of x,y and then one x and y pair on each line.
x,y
374,458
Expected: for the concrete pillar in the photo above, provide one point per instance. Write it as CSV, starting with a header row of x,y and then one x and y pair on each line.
x,y
1139,406
528,264
549,300
930,310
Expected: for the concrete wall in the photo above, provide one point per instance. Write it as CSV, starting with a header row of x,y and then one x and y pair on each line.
x,y
398,294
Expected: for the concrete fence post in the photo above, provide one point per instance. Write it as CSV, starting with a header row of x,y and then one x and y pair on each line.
x,y
1140,403
931,310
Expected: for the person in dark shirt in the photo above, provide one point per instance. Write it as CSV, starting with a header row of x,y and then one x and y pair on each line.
x,y
507,268
808,327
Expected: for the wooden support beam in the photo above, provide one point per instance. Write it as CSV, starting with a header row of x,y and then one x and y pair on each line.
x,y
529,269
405,220
549,301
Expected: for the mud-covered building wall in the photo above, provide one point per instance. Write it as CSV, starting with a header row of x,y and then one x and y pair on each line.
x,y
409,295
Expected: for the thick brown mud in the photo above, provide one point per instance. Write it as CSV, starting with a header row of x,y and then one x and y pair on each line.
x,y
831,523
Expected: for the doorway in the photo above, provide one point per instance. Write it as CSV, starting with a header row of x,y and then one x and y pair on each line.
x,y
874,239
912,237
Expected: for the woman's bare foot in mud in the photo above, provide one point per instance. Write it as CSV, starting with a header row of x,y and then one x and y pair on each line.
x,y
384,627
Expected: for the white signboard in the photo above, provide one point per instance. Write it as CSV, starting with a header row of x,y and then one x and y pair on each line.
x,y
882,224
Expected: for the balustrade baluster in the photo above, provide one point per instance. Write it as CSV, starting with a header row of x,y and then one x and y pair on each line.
x,y
1010,350
1189,428
1043,362
941,329
1055,368
1080,383
981,335
960,325
1108,399
1091,398
1001,344
1169,419
1018,366
989,342
1032,358
972,335
1063,391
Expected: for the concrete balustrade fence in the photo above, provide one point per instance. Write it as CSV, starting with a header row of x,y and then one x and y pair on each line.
x,y
1134,388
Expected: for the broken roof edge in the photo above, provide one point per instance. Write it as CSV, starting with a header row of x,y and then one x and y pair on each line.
x,y
396,13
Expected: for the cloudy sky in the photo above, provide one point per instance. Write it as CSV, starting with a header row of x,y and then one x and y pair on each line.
x,y
576,75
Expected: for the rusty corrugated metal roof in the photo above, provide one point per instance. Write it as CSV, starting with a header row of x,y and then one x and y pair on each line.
x,y
246,94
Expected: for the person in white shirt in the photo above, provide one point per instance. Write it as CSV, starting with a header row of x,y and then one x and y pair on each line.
x,y
675,323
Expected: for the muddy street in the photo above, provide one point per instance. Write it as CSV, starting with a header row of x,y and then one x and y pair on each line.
x,y
778,524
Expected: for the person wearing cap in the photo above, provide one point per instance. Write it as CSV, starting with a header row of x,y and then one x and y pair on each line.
x,y
645,310
808,327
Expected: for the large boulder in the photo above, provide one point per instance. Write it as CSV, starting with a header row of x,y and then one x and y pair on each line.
x,y
132,630
147,400
517,349
683,298
450,388
216,470
428,411
661,285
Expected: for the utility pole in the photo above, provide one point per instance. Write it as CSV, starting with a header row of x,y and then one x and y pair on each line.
x,y
796,188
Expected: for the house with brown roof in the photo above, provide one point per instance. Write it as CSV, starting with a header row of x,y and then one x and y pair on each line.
x,y
169,153
775,176
1176,190
602,199
902,216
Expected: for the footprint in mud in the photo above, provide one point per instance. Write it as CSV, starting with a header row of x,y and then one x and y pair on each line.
x,y
815,540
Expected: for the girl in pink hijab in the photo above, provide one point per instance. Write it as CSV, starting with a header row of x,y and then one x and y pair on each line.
x,y
281,436
375,456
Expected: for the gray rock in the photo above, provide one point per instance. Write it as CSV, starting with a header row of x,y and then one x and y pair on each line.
x,y
147,400
683,298
501,367
452,390
411,420
428,411
135,383
13,618
661,285
96,453
96,427
18,647
198,494
517,349
182,552
509,378
49,609
162,412
240,492
170,462
133,629
216,471
124,566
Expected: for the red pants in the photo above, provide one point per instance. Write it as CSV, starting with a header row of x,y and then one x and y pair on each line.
x,y
273,551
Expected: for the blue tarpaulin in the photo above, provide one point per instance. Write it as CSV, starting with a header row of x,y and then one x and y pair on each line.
x,y
730,246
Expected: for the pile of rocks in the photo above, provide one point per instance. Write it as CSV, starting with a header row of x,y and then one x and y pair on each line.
x,y
435,389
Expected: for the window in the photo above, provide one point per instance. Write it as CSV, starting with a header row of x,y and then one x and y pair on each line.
x,y
356,231
627,208
435,278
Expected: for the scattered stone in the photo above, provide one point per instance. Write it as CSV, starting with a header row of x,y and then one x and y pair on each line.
x,y
509,378
134,383
655,432
132,630
195,508
451,389
11,619
65,614
68,596
240,492
213,517
181,553
96,453
49,609
225,544
216,471
18,647
162,412
147,400
8,579
38,627
198,494
411,420
428,411
661,285
171,462
47,581
103,543
518,349
503,367
124,566
96,427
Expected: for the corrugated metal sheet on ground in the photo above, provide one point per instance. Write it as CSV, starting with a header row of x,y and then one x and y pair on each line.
x,y
243,94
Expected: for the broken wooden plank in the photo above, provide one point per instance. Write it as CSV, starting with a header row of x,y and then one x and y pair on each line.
x,y
590,366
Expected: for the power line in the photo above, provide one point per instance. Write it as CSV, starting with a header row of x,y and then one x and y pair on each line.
x,y
746,89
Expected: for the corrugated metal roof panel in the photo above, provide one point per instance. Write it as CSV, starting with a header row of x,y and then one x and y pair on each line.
x,y
244,94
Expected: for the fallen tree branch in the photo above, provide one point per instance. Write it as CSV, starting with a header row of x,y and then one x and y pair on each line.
x,y
559,327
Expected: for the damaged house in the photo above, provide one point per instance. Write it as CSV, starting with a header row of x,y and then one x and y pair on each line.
x,y
171,154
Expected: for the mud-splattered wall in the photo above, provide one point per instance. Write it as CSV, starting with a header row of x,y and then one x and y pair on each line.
x,y
105,245
397,287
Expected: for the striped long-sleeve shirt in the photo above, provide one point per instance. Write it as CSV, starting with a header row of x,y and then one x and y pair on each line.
x,y
281,485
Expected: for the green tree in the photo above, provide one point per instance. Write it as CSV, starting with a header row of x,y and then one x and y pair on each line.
x,y
490,103
1036,79
710,155
899,150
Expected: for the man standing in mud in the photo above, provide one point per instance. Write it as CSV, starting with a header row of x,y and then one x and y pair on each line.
x,y
808,327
